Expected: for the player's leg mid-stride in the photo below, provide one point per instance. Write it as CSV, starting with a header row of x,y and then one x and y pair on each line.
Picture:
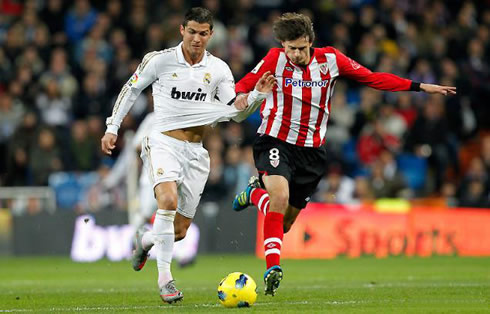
x,y
272,244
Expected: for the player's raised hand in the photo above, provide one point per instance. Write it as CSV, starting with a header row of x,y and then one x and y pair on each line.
x,y
438,89
266,83
108,143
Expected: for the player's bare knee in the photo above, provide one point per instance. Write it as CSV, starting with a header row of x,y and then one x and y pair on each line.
x,y
166,201
280,200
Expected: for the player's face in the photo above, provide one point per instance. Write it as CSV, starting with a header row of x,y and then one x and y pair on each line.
x,y
195,38
298,50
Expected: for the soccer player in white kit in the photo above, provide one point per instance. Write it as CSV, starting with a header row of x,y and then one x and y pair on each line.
x,y
186,81
185,250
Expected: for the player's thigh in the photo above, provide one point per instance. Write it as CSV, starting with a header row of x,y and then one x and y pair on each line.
x,y
278,189
194,179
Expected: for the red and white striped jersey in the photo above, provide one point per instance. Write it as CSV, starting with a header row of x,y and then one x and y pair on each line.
x,y
297,110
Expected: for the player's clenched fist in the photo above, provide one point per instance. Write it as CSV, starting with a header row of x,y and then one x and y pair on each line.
x,y
108,143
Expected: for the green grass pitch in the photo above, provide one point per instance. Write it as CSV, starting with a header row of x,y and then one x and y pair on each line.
x,y
364,285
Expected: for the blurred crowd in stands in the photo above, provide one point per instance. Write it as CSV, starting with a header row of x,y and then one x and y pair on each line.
x,y
62,64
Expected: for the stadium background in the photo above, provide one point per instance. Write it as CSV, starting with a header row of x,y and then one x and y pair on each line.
x,y
408,175
62,65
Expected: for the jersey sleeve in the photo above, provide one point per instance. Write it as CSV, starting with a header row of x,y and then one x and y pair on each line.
x,y
145,75
378,80
226,88
268,63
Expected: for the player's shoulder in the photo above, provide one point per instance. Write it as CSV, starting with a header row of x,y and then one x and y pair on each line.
x,y
325,49
159,55
275,52
161,60
216,63
212,59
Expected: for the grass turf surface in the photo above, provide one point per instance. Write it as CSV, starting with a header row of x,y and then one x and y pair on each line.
x,y
367,285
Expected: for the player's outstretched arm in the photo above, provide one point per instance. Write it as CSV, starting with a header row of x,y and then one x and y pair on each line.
x,y
438,89
385,81
108,143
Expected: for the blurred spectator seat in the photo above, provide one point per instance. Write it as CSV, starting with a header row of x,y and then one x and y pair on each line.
x,y
349,154
70,188
414,169
66,189
467,152
350,159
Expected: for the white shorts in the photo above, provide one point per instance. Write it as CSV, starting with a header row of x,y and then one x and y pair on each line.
x,y
168,159
147,201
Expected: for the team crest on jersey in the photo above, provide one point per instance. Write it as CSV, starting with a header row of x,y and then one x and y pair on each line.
x,y
324,68
175,75
290,69
207,78
159,172
354,64
275,163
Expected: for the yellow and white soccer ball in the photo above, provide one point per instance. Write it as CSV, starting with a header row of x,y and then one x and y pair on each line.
x,y
237,290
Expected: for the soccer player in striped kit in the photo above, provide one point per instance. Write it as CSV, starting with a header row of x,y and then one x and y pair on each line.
x,y
290,151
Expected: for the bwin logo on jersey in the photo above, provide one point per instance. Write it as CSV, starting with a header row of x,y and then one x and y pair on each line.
x,y
188,95
301,83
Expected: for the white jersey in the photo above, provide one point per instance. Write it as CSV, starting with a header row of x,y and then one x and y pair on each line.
x,y
184,95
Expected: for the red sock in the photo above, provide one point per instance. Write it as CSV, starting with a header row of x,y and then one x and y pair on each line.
x,y
260,198
273,234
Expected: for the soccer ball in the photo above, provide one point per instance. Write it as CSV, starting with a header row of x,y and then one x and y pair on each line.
x,y
237,290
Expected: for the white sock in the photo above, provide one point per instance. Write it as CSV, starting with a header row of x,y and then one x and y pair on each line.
x,y
147,240
163,237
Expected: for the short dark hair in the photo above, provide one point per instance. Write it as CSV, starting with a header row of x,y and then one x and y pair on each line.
x,y
291,26
199,15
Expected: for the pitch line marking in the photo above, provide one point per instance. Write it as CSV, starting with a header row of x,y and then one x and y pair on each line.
x,y
179,306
